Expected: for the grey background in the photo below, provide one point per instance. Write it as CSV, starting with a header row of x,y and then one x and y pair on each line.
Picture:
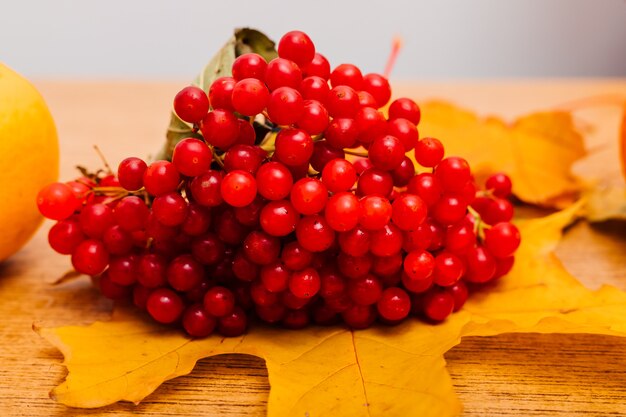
x,y
143,39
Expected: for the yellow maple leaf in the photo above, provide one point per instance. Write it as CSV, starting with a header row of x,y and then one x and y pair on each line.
x,y
381,371
536,151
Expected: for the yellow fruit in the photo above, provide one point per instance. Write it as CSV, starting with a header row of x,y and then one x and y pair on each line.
x,y
29,158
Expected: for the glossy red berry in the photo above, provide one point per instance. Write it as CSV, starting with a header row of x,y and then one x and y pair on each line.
x,y
297,47
502,239
197,322
250,96
249,65
394,304
318,67
130,173
221,92
405,108
191,104
56,201
219,301
164,305
238,188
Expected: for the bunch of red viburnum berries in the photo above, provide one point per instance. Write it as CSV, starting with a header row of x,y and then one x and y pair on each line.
x,y
296,204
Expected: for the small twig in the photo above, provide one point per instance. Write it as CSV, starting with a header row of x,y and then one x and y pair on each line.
x,y
396,46
104,160
356,153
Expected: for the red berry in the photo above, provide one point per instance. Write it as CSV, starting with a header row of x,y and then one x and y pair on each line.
x,y
205,188
151,270
500,184
123,270
282,72
191,104
285,106
403,173
164,305
438,305
279,218
244,157
130,173
450,209
371,124
221,92
394,304
374,181
315,88
318,67
170,209
184,273
386,152
481,265
405,108
343,101
220,128
304,283
275,277
233,324
342,211
249,65
375,212
131,213
160,178
502,239
429,152
261,248
95,219
419,264
90,257
386,241
378,87
365,291
197,322
207,249
404,131
459,293
219,301
347,75
57,201
297,47
427,187
355,242
409,211
309,196
274,181
314,233
65,236
449,268
338,175
342,133
238,188
294,147
250,96
453,173
314,118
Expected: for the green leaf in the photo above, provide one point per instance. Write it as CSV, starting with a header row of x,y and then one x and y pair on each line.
x,y
243,41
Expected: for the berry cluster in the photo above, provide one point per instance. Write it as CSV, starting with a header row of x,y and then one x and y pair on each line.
x,y
298,204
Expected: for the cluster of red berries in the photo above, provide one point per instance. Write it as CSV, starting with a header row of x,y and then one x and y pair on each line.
x,y
265,216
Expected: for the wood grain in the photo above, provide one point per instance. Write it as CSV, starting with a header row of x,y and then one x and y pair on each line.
x,y
506,375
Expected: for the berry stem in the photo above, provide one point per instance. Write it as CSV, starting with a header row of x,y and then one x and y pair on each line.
x,y
104,160
356,153
396,46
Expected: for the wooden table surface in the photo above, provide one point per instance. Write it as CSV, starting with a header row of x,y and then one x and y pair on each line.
x,y
506,375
